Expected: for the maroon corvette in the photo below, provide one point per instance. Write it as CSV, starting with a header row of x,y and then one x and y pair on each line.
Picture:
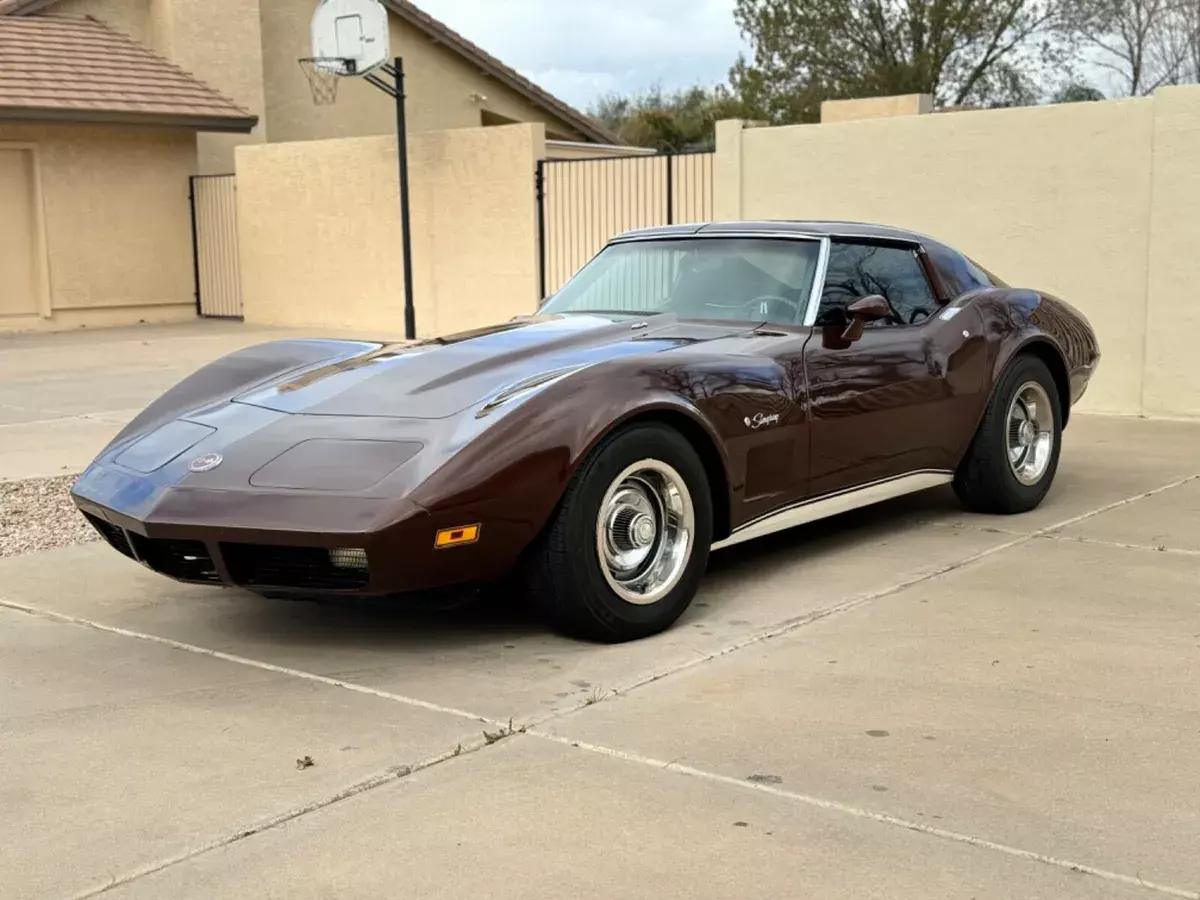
x,y
692,387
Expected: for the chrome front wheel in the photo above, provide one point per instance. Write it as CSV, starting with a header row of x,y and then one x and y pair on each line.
x,y
645,531
1030,433
624,554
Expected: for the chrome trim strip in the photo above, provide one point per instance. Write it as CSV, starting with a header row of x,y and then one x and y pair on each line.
x,y
659,233
630,237
818,288
832,504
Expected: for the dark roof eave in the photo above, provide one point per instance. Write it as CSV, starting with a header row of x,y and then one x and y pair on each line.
x,y
784,227
237,125
587,126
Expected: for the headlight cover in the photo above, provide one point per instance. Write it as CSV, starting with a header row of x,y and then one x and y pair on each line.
x,y
153,451
334,465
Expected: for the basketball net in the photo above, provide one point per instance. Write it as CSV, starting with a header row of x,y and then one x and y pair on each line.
x,y
323,74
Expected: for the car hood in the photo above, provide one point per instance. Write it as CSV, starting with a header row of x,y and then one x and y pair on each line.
x,y
438,378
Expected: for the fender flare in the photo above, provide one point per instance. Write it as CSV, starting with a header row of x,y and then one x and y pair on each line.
x,y
699,432
1045,348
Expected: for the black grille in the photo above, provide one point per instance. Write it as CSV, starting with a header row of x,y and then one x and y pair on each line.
x,y
264,565
114,534
183,560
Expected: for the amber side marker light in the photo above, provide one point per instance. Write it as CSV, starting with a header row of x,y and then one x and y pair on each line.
x,y
453,537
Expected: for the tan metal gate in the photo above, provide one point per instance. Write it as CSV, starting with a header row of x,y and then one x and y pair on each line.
x,y
584,202
215,242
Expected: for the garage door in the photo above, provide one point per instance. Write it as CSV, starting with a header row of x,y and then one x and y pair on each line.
x,y
18,235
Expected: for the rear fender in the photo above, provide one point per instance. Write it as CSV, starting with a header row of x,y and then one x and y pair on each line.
x,y
1011,327
1045,348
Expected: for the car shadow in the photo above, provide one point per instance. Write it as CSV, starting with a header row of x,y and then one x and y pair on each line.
x,y
497,616
490,616
860,528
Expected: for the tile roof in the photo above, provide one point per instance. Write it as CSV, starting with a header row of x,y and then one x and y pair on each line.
x,y
20,6
439,31
67,68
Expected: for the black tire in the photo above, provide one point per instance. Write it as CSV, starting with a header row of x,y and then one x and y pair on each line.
x,y
985,482
563,574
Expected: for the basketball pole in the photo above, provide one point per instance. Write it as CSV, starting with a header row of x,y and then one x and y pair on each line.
x,y
395,90
410,311
349,35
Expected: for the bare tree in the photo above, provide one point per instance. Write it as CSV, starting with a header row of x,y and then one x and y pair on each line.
x,y
1180,42
1145,43
1191,24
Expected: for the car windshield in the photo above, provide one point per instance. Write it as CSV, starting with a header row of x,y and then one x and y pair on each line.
x,y
753,279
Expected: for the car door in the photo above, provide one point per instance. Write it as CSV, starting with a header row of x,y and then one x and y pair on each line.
x,y
885,397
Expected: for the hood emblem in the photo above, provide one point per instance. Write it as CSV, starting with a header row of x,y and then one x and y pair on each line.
x,y
205,463
760,420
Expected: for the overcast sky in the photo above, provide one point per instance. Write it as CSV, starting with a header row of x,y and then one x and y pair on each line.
x,y
580,49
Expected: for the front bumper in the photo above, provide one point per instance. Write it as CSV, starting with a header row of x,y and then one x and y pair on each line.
x,y
274,541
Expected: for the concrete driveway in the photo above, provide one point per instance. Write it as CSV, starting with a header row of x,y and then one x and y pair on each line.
x,y
907,702
64,395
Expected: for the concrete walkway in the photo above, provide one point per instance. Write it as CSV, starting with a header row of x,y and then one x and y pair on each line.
x,y
64,395
907,702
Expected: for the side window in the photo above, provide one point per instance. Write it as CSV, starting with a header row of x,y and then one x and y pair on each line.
x,y
857,270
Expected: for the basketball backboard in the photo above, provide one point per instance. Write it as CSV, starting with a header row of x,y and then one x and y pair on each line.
x,y
352,31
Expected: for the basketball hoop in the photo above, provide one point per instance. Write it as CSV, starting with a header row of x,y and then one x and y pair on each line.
x,y
323,73
349,39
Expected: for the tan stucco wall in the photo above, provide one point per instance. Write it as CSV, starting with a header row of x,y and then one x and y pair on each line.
x,y
319,227
130,17
116,220
1094,202
218,41
1172,377
439,85
875,107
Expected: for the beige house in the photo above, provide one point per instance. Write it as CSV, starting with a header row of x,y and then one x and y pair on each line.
x,y
107,107
97,140
248,50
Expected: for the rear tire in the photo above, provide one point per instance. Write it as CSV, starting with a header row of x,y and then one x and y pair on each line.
x,y
623,555
1013,458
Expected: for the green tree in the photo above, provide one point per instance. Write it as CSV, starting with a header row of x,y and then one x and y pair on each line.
x,y
667,121
1076,92
980,52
